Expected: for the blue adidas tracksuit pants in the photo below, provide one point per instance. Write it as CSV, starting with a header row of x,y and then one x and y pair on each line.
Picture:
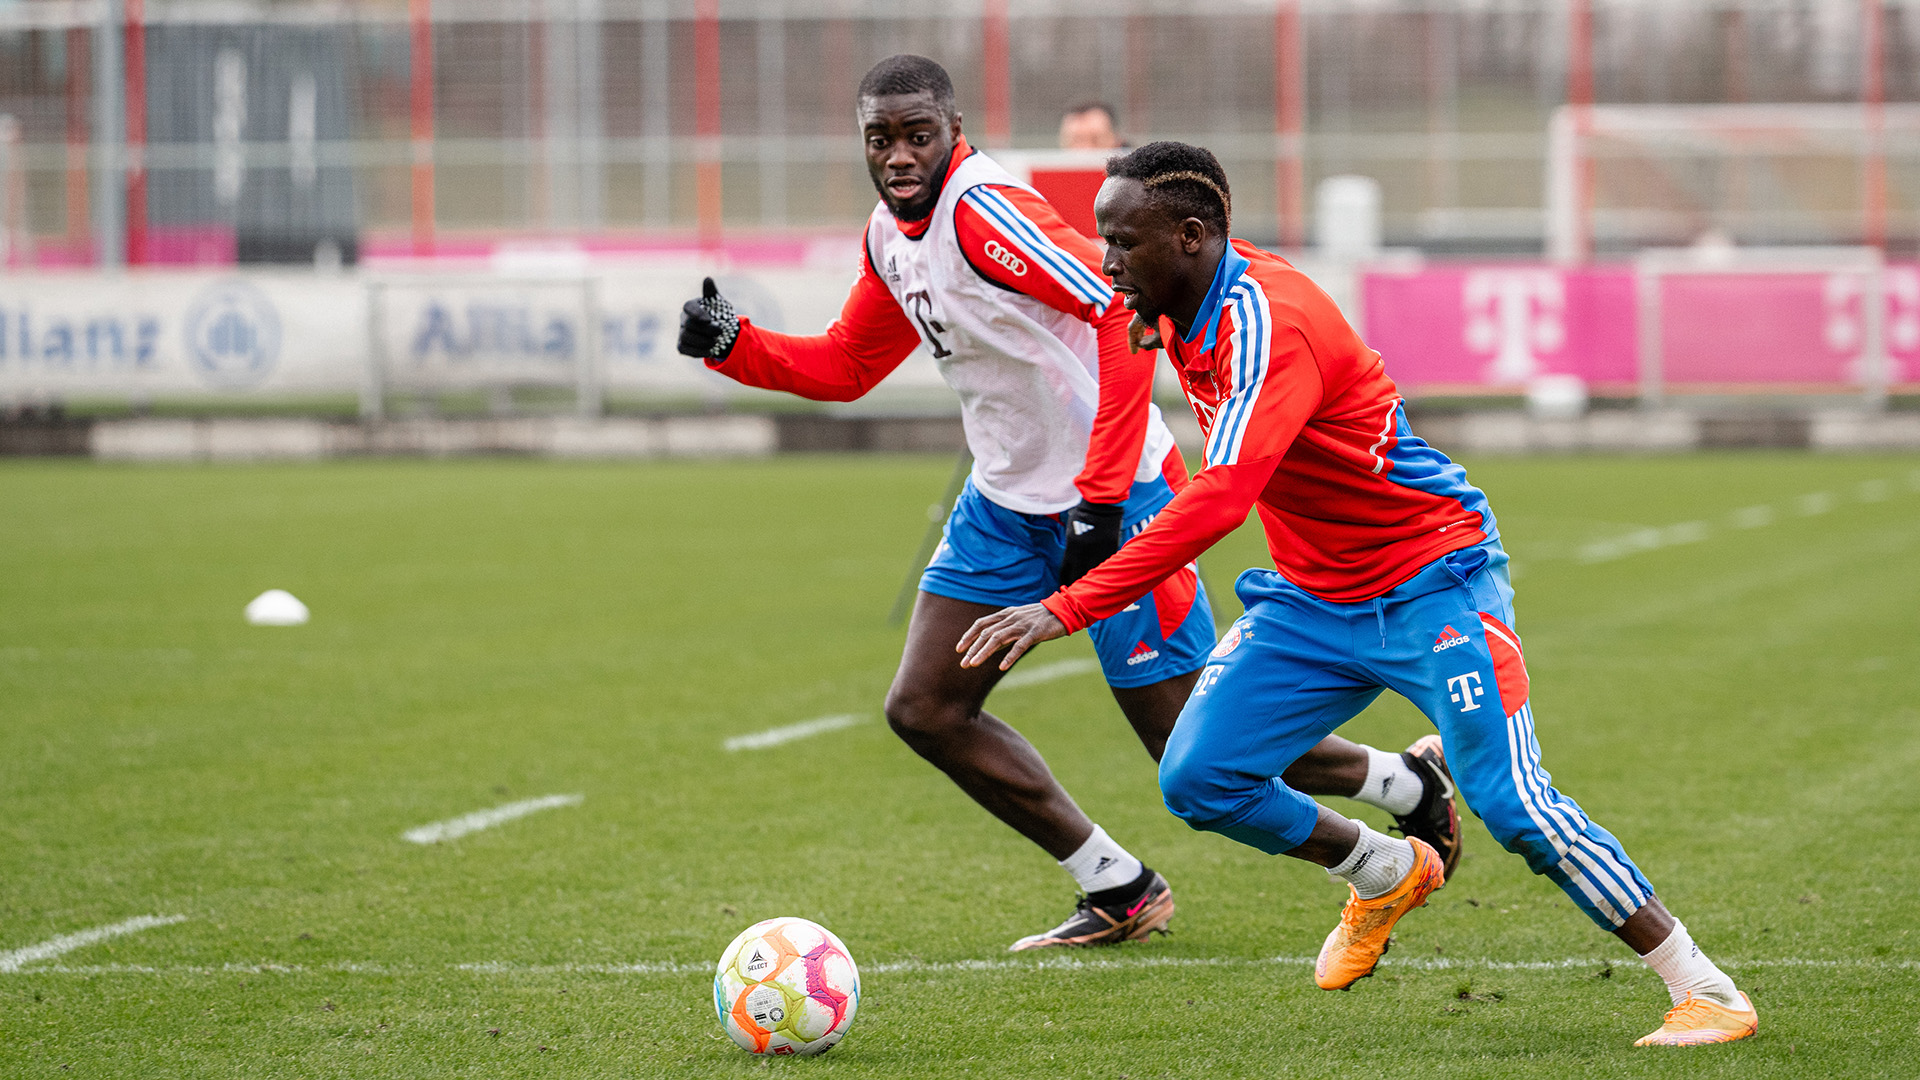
x,y
1295,667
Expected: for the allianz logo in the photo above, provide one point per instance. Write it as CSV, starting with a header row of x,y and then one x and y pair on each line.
x,y
35,341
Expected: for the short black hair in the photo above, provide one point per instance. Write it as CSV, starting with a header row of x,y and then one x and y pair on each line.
x,y
1089,106
907,73
1185,181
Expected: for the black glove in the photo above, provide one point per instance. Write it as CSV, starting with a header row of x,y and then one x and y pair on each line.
x,y
1093,534
708,326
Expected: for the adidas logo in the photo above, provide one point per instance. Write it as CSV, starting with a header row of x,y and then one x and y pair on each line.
x,y
1081,528
1448,639
1142,653
1105,861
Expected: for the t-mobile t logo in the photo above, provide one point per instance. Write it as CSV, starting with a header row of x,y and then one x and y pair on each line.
x,y
1467,691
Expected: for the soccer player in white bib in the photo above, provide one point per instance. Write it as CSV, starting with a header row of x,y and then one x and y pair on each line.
x,y
1071,458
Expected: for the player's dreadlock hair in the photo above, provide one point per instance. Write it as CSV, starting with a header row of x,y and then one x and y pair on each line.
x,y
909,74
1186,181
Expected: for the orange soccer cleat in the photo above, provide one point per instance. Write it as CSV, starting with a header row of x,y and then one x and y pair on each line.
x,y
1358,943
1697,1021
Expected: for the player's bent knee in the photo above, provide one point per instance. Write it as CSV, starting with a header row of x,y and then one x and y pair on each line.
x,y
1197,792
918,716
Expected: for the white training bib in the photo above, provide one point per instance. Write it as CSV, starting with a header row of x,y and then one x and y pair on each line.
x,y
1027,374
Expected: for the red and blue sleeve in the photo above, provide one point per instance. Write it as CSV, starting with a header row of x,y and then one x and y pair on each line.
x,y
863,346
1017,240
1252,431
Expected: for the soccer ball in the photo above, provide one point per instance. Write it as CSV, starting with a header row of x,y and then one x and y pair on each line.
x,y
786,986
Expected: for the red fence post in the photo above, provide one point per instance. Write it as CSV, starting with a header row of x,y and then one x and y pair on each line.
x,y
1289,125
136,73
1580,96
706,83
420,26
997,70
79,62
1873,94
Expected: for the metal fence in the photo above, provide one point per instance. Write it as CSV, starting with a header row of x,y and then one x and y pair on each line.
x,y
280,130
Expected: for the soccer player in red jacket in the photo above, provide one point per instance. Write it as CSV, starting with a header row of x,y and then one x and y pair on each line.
x,y
1390,575
1070,458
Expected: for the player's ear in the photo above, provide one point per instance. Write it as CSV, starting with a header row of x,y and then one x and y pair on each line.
x,y
1193,235
956,125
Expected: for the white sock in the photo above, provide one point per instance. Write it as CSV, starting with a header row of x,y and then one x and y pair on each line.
x,y
1101,864
1687,970
1391,785
1377,864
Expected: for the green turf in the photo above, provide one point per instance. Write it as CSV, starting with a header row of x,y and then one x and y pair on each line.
x,y
1740,709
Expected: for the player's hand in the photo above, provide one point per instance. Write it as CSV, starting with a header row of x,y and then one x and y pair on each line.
x,y
708,326
1093,535
1141,337
1015,629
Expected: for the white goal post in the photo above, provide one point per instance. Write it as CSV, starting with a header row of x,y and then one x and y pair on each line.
x,y
1721,319
1632,176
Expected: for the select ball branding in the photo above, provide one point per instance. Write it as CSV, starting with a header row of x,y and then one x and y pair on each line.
x,y
786,986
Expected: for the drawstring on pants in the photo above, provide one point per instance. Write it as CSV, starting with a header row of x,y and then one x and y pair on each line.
x,y
1380,616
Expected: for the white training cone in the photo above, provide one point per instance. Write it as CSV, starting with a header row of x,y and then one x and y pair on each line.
x,y
276,607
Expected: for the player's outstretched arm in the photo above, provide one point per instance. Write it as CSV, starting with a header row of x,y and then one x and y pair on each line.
x,y
1214,504
1015,629
862,347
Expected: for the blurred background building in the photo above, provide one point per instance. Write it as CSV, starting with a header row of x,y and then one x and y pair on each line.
x,y
210,131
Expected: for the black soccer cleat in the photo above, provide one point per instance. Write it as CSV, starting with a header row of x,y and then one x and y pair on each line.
x,y
1111,916
1435,820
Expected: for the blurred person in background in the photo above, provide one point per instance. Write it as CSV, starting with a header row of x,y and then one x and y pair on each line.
x,y
1090,126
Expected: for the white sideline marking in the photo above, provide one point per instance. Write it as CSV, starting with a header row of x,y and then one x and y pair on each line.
x,y
1621,965
1059,669
66,943
1812,504
453,828
760,740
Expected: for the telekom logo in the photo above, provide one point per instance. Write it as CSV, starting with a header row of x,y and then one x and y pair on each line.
x,y
1514,315
1466,691
1845,329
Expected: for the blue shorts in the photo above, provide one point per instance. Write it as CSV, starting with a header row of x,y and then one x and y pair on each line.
x,y
989,554
1295,667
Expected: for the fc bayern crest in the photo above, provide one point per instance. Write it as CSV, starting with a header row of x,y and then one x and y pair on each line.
x,y
233,335
1228,643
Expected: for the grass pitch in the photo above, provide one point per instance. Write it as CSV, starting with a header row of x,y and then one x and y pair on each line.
x,y
1725,655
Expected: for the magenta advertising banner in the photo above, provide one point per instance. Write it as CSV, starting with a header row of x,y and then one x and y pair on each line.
x,y
1495,327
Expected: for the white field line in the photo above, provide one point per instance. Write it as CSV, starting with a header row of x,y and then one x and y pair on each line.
x,y
1812,504
1620,965
453,828
806,729
66,943
1045,673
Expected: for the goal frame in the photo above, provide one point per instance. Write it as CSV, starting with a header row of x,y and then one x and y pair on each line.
x,y
1653,266
1866,132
